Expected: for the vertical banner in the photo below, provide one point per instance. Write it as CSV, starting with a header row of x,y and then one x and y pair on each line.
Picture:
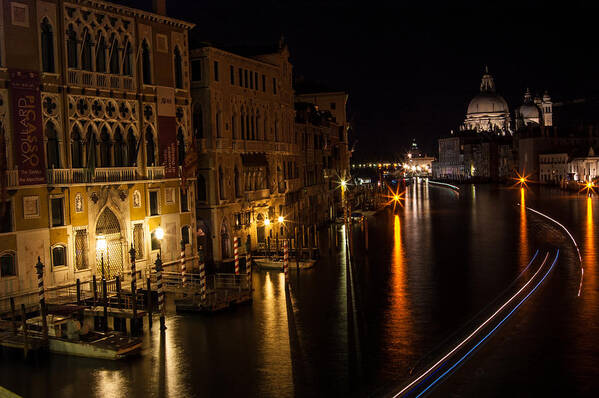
x,y
28,137
167,131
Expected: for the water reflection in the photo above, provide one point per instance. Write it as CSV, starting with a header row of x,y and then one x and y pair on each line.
x,y
398,320
524,249
590,256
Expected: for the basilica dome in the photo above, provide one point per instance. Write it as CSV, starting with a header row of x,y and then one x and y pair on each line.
x,y
487,103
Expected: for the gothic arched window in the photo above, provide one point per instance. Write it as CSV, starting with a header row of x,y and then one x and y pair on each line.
x,y
201,188
114,57
198,123
76,149
86,52
181,146
101,55
105,145
119,148
218,127
221,183
127,59
72,55
236,183
150,148
146,62
178,68
233,131
243,126
131,148
52,147
91,143
47,47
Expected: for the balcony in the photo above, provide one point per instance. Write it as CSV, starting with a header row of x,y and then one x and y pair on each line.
x,y
100,80
223,143
101,175
257,195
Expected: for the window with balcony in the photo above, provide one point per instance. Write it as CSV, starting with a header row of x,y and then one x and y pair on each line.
x,y
150,148
184,200
240,79
201,188
8,264
101,55
87,50
274,85
127,59
119,148
146,62
57,210
115,63
178,68
232,74
236,183
263,83
76,148
233,130
196,70
47,41
72,55
105,147
185,235
218,128
216,71
131,148
245,78
198,122
52,147
81,249
221,184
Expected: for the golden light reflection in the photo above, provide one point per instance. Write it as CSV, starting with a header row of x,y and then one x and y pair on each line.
x,y
398,320
522,179
524,249
590,257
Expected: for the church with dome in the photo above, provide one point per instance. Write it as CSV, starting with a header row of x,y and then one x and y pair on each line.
x,y
489,112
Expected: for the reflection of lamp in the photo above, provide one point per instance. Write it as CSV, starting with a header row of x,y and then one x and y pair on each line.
x,y
267,222
159,234
101,247
281,219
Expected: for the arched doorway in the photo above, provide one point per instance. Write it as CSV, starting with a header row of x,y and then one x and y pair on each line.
x,y
225,241
260,234
108,227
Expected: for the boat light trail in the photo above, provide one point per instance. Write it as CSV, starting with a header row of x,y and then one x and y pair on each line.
x,y
482,325
444,184
573,241
492,330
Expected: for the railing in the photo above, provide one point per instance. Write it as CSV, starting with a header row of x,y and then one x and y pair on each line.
x,y
257,195
94,79
115,174
87,78
155,173
223,143
102,80
73,77
101,174
12,178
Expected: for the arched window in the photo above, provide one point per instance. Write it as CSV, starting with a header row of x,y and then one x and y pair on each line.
x,y
127,59
233,131
47,47
114,56
86,52
131,148
101,55
72,55
52,147
247,127
198,123
105,145
185,235
276,130
243,126
181,146
201,188
91,143
59,256
150,148
252,127
146,62
178,68
8,264
221,183
218,129
119,148
76,149
236,183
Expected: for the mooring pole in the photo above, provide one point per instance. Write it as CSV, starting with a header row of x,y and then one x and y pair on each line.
x,y
160,292
13,315
39,267
183,268
78,285
24,324
236,254
149,297
133,291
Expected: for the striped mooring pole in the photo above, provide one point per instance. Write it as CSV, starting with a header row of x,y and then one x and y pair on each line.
x,y
133,291
286,261
236,253
40,289
248,263
160,291
202,281
183,269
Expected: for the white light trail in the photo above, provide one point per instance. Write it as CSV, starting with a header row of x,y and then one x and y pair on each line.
x,y
482,325
444,184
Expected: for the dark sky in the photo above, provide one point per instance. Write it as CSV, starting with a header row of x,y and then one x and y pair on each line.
x,y
411,73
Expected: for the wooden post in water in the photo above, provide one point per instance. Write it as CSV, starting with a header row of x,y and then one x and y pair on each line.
x,y
183,267
160,292
78,284
149,297
105,304
286,261
95,287
24,324
133,292
236,254
13,315
39,267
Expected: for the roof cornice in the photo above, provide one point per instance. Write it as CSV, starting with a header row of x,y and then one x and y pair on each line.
x,y
133,12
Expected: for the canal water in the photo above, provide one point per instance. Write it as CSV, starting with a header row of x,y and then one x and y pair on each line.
x,y
434,266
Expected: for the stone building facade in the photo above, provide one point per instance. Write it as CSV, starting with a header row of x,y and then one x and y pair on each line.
x,y
248,150
95,117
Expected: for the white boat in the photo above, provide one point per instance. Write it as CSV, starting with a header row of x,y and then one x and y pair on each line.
x,y
277,264
66,336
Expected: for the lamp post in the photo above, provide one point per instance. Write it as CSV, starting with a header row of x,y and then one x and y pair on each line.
x,y
101,247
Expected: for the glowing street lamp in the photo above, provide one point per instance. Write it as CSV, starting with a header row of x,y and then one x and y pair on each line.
x,y
159,233
281,219
101,248
266,222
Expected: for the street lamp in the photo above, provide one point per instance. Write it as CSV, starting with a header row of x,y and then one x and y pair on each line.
x,y
101,247
159,234
281,219
267,222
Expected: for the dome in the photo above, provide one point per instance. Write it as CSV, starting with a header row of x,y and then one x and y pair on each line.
x,y
528,111
487,103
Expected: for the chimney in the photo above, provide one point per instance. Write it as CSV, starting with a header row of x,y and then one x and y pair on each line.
x,y
159,7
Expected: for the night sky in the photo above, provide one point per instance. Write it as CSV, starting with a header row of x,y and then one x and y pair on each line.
x,y
410,73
